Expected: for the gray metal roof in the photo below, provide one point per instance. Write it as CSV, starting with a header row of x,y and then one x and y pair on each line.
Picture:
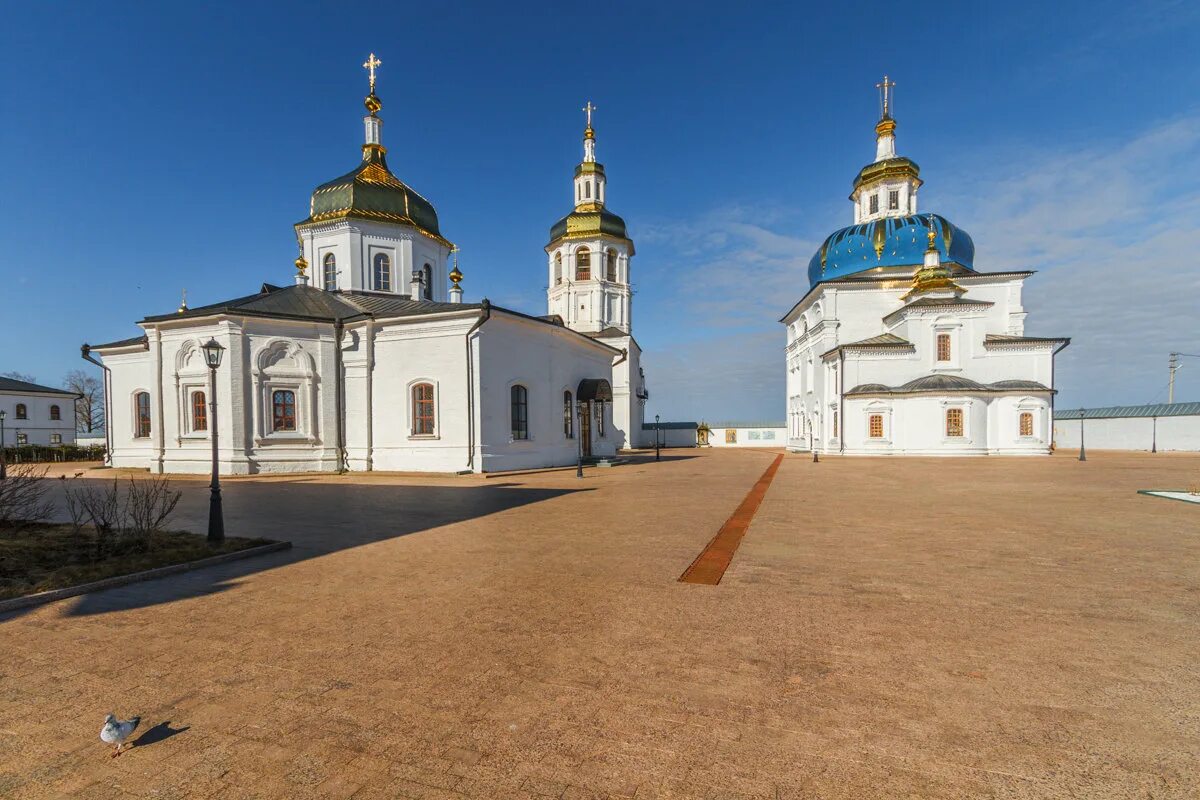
x,y
1115,412
670,426
948,383
21,387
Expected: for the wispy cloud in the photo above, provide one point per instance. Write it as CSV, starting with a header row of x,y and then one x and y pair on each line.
x,y
1113,230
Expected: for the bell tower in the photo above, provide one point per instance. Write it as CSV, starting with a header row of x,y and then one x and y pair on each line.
x,y
589,253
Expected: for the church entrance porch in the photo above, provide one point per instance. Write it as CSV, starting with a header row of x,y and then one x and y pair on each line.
x,y
592,394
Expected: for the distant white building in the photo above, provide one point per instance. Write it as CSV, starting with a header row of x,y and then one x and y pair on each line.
x,y
36,415
901,346
375,362
1159,427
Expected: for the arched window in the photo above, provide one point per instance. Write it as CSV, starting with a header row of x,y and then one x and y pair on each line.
x,y
141,409
427,282
55,413
583,264
954,422
383,273
22,412
330,272
568,416
199,412
422,409
1026,423
943,347
557,268
519,401
283,410
610,268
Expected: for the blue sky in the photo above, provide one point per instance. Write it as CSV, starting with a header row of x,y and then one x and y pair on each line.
x,y
146,148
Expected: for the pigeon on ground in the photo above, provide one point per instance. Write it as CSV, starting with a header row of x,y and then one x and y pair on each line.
x,y
116,731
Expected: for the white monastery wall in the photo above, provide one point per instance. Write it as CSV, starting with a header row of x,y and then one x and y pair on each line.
x,y
1130,433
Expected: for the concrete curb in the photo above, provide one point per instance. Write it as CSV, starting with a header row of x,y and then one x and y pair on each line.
x,y
41,598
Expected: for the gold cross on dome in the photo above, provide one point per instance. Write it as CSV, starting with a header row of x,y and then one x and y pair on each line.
x,y
370,65
589,108
885,94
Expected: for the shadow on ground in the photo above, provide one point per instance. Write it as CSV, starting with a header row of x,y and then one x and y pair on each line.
x,y
317,518
159,733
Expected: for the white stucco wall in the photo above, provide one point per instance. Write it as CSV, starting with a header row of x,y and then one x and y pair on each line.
x,y
1130,433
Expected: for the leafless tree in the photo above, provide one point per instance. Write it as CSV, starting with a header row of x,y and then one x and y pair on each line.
x,y
19,376
23,497
89,408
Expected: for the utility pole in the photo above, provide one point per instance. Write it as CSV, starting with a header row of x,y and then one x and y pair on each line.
x,y
1173,365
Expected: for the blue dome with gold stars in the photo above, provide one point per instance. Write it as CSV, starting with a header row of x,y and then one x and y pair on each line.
x,y
889,242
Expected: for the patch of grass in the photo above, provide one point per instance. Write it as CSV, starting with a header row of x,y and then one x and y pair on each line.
x,y
43,557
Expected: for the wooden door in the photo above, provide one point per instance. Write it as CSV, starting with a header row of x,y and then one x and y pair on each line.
x,y
585,428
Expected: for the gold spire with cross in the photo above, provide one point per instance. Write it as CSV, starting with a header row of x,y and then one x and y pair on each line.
x,y
455,275
885,97
886,125
183,303
588,133
372,102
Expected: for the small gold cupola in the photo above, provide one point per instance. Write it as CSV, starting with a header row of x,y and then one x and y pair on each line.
x,y
933,276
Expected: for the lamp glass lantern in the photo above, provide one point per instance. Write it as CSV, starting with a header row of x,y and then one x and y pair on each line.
x,y
212,353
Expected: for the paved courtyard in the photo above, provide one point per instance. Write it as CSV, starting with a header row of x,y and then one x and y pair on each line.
x,y
887,628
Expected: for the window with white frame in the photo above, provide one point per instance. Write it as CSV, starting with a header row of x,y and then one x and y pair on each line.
x,y
519,412
56,438
875,426
943,347
874,203
954,423
382,273
55,413
423,410
22,439
283,410
330,271
894,200
199,408
1025,426
141,415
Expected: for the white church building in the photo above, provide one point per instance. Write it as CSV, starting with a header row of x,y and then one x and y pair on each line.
x,y
376,363
901,346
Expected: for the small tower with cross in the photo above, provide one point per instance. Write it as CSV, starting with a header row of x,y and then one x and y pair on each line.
x,y
887,187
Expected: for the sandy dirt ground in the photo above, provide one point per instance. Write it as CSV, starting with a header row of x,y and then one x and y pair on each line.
x,y
1010,628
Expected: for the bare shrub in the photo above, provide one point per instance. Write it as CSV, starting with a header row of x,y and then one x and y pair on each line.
x,y
148,505
102,505
23,497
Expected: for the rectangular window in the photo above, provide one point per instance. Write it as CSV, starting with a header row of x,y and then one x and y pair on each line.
x,y
875,426
954,422
943,347
422,409
894,200
22,438
1026,424
199,412
874,203
283,411
56,438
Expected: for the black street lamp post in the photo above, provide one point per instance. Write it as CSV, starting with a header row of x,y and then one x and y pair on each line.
x,y
1082,452
216,519
3,459
1154,436
657,438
